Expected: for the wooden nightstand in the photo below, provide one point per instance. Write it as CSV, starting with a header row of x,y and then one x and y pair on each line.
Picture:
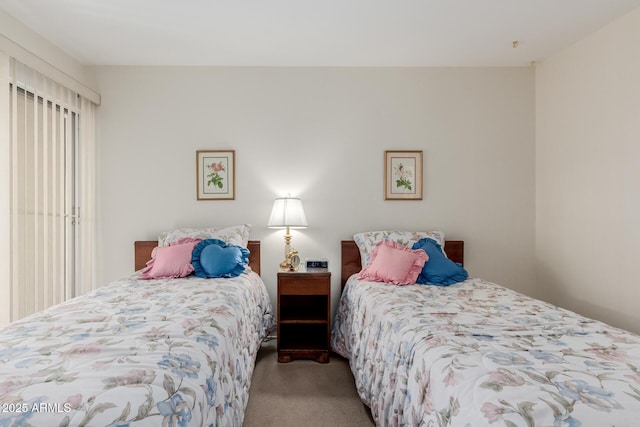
x,y
304,306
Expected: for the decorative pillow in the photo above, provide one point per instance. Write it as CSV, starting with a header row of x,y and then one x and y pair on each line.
x,y
368,240
439,270
170,261
215,258
234,234
395,263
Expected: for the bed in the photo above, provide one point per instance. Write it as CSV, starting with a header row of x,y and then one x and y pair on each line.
x,y
476,353
171,352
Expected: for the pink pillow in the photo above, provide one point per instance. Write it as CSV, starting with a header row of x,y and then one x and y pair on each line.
x,y
392,262
170,261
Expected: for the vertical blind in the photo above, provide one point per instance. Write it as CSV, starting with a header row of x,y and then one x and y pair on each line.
x,y
52,186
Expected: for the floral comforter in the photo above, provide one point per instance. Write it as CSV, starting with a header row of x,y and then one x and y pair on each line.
x,y
476,354
172,352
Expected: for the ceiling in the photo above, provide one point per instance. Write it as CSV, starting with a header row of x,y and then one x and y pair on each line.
x,y
314,32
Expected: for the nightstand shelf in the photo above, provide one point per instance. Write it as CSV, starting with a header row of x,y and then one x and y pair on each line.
x,y
304,303
301,308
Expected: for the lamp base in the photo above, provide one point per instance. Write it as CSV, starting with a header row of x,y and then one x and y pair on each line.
x,y
285,266
291,261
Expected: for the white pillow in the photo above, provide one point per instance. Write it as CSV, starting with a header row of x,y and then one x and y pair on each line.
x,y
233,234
368,240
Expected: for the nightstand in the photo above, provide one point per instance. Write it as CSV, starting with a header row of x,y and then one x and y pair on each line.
x,y
304,306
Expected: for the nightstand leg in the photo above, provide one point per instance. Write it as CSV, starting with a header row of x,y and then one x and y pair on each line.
x,y
284,359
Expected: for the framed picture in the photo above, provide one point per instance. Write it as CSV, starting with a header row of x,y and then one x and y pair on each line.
x,y
403,175
216,174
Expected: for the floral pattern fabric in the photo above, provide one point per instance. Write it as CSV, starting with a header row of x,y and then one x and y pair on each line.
x,y
368,240
476,353
171,352
233,234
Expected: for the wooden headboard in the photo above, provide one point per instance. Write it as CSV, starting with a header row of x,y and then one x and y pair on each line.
x,y
351,263
143,250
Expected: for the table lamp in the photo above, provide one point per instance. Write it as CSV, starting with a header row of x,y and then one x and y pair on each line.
x,y
287,213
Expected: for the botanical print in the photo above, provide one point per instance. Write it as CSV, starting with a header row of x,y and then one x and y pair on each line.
x,y
476,353
403,173
168,352
215,174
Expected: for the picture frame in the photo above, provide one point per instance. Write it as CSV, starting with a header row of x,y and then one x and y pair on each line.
x,y
216,174
402,175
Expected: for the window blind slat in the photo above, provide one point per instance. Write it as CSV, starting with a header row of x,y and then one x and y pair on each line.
x,y
54,208
36,285
13,295
27,275
46,214
68,279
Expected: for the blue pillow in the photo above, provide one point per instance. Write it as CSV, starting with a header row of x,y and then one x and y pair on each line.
x,y
215,258
438,270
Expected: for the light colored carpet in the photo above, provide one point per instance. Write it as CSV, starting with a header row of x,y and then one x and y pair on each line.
x,y
303,393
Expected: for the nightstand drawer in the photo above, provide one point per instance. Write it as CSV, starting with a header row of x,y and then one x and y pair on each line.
x,y
304,286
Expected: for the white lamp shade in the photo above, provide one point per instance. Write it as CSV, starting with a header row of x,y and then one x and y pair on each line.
x,y
287,212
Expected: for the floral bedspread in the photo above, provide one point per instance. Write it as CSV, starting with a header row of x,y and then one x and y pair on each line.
x,y
172,352
476,353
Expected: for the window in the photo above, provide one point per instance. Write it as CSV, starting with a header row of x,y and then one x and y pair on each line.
x,y
51,193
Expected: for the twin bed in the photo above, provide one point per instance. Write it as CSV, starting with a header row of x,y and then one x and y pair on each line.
x,y
181,351
171,352
475,353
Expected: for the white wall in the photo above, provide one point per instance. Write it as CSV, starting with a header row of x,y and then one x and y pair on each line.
x,y
320,133
588,175
20,42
